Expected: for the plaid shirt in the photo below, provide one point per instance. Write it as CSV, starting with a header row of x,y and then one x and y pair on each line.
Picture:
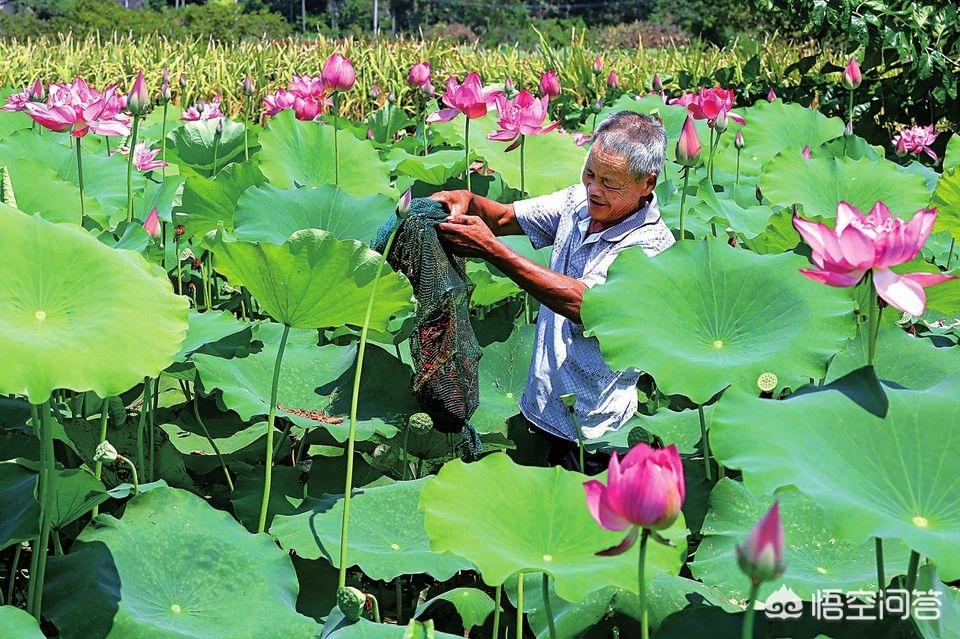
x,y
564,361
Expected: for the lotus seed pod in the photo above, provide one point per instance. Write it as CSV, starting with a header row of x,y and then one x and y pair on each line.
x,y
105,453
420,423
767,382
350,601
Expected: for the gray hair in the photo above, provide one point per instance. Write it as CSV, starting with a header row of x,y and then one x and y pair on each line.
x,y
638,137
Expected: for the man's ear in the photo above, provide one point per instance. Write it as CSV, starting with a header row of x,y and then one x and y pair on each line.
x,y
649,184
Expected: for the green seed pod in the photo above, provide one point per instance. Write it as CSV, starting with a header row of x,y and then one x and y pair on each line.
x,y
767,382
350,601
420,423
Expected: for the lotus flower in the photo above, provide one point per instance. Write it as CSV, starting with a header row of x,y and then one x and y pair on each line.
x,y
916,140
597,65
37,93
138,100
165,92
873,242
17,101
771,95
152,225
645,491
248,87
203,111
419,75
580,138
761,554
278,101
403,206
807,155
143,158
657,83
79,109
550,84
688,146
307,86
738,140
338,74
613,82
523,115
709,103
851,75
468,98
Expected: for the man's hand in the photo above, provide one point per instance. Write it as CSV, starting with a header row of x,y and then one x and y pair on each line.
x,y
458,202
501,219
467,235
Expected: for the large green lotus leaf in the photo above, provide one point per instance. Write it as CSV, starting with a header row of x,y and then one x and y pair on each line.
x,y
814,559
946,199
313,379
387,537
433,168
819,184
295,153
713,316
314,280
17,503
473,605
194,144
881,461
681,428
69,305
503,375
270,214
338,627
723,209
173,566
208,328
770,128
151,125
488,289
947,623
951,157
208,203
913,362
40,191
666,595
77,492
778,237
18,624
552,161
505,518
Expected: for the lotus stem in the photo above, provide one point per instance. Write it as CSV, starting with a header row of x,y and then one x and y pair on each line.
x,y
748,615
497,593
48,469
523,190
850,107
398,584
142,422
246,123
133,474
466,149
406,437
83,211
710,158
57,545
547,609
12,579
683,196
950,253
737,181
874,312
351,438
131,146
151,433
216,152
644,629
423,117
881,577
206,433
106,139
336,131
579,433
271,418
519,632
707,468
98,466
163,142
376,608
41,486
912,570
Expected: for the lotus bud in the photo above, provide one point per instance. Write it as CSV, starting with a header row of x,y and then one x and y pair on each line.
x,y
248,85
771,95
738,141
351,601
392,97
848,129
138,100
767,382
550,84
806,152
219,127
613,81
419,74
657,83
105,453
851,75
509,90
688,146
165,76
182,81
597,65
569,400
721,121
760,555
403,206
37,92
598,106
374,93
428,90
152,225
338,73
165,92
420,423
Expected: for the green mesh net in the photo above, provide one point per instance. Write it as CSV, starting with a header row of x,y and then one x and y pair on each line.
x,y
444,348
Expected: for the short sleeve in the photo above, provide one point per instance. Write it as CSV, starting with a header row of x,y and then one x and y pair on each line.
x,y
539,217
598,273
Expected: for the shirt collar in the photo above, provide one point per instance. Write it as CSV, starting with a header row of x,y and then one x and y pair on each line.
x,y
646,214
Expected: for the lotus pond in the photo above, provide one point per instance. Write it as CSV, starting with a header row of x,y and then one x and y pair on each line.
x,y
208,430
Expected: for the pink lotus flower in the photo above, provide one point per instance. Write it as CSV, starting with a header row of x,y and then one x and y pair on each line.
x,y
523,115
143,158
79,109
550,84
807,155
760,556
403,206
37,93
851,75
278,101
307,108
152,225
709,103
338,74
248,87
138,101
419,75
580,138
645,491
17,101
468,98
873,242
597,65
657,83
738,140
613,81
688,146
203,111
307,86
771,95
916,140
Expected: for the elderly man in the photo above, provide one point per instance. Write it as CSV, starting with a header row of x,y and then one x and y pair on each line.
x,y
588,225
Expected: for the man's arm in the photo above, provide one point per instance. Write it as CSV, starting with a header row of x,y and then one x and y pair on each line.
x,y
469,236
499,218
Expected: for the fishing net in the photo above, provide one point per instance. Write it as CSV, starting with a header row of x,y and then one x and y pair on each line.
x,y
444,348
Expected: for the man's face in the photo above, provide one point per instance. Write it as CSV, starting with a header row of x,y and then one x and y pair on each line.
x,y
612,191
